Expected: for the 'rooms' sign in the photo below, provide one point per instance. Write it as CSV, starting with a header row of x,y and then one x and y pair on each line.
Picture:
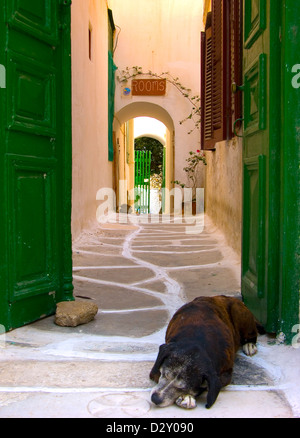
x,y
148,87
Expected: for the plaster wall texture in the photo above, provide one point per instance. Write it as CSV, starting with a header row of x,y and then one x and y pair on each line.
x,y
223,190
91,168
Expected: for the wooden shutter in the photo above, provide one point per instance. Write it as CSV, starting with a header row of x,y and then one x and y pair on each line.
x,y
206,87
221,65
218,65
236,48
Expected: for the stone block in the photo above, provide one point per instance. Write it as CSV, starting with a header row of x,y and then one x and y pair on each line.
x,y
74,313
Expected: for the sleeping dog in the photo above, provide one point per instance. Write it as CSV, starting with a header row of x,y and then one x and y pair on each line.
x,y
202,339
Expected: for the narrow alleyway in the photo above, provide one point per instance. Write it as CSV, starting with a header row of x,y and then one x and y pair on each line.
x,y
138,275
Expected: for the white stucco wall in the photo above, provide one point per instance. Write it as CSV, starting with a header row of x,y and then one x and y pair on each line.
x,y
162,35
91,168
223,189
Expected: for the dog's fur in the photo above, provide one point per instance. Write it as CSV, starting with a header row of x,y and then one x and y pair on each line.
x,y
202,339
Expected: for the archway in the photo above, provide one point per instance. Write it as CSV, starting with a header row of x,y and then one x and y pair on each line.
x,y
124,148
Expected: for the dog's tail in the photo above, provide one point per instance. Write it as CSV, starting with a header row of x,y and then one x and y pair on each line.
x,y
260,327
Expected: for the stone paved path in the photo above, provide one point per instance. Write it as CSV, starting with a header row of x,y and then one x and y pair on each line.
x,y
138,275
146,274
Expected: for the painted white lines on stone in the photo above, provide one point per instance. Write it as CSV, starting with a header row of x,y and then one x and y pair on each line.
x,y
121,285
172,252
154,240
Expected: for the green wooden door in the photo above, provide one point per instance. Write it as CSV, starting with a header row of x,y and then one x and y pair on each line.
x,y
261,160
290,173
35,160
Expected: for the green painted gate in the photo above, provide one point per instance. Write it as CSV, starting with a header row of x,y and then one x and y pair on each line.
x,y
142,181
35,160
267,96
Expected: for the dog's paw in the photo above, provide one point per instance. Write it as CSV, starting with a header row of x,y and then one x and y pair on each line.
x,y
249,349
186,402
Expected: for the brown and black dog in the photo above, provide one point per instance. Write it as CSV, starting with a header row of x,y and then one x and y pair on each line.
x,y
202,339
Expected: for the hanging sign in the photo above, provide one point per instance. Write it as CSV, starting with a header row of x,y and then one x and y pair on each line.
x,y
148,87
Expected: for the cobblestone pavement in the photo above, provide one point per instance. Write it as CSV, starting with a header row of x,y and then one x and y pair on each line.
x,y
138,275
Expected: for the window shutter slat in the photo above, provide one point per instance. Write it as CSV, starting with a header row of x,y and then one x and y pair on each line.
x,y
208,86
222,52
218,65
202,82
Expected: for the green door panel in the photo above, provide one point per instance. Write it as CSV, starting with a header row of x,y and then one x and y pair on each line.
x,y
255,20
261,152
255,95
35,160
38,18
34,252
254,226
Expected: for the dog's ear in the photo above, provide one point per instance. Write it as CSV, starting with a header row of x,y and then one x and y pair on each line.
x,y
214,387
162,354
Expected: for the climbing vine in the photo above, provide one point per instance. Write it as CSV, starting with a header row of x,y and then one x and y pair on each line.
x,y
194,99
192,170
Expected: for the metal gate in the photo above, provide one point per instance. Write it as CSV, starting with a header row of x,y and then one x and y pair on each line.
x,y
142,182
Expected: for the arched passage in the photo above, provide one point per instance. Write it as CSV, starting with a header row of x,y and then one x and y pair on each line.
x,y
124,147
144,109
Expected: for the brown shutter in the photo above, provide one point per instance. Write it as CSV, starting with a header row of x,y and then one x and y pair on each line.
x,y
206,87
217,33
202,82
221,63
236,26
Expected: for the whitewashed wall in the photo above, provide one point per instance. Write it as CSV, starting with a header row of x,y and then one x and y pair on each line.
x,y
91,168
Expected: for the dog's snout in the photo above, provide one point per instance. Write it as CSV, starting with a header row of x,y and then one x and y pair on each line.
x,y
156,399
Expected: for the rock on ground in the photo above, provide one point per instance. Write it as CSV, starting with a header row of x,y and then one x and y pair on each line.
x,y
74,313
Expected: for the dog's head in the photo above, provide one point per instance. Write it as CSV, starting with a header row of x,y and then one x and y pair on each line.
x,y
180,370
